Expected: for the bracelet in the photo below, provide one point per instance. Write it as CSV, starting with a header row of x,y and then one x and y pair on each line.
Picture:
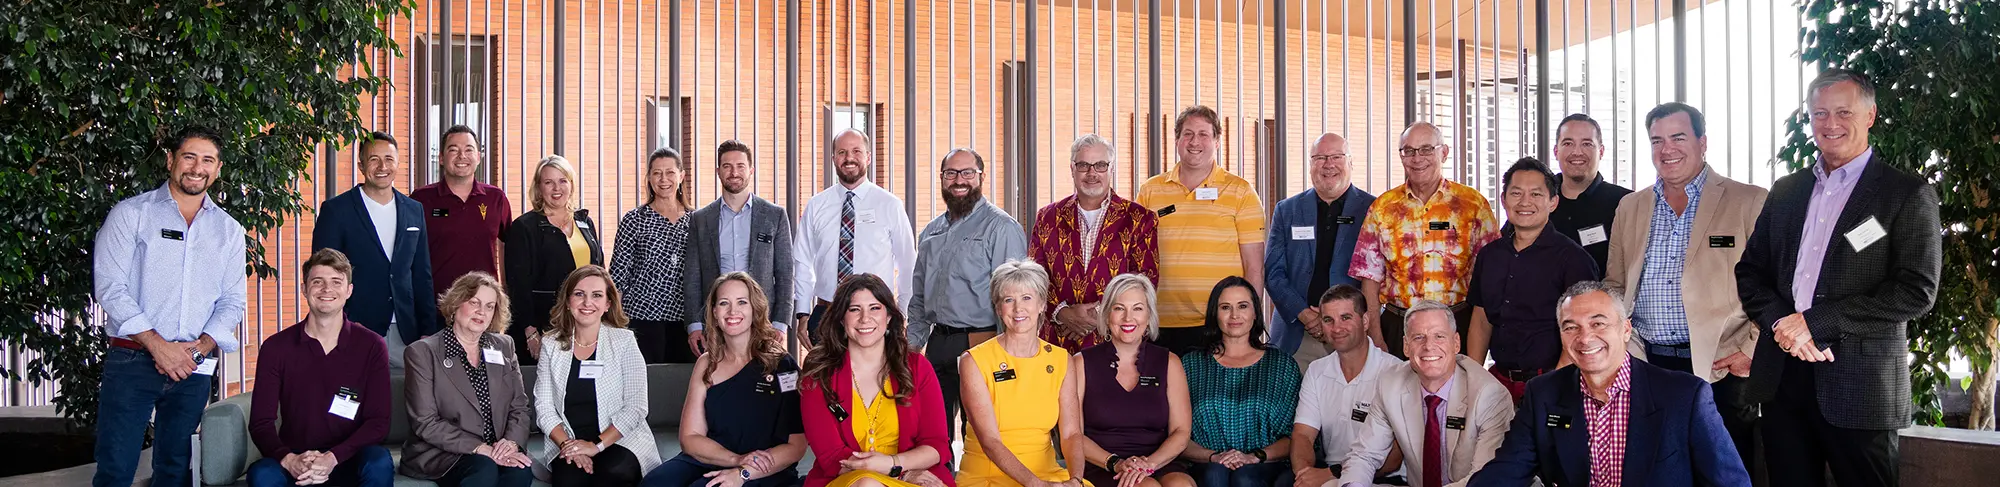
x,y
1259,453
1111,462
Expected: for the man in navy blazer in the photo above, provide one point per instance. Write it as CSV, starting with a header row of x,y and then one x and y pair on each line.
x,y
1571,431
1311,238
382,232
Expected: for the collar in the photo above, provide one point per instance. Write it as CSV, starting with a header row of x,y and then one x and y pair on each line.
x,y
1541,240
1846,173
1620,384
165,195
726,210
342,339
1442,392
1693,187
1444,190
860,190
1587,190
1173,175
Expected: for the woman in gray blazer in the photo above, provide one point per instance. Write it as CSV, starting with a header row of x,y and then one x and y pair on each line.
x,y
590,391
468,407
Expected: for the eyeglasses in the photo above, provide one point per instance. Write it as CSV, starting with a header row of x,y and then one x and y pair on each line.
x,y
1411,151
959,173
1322,158
1102,167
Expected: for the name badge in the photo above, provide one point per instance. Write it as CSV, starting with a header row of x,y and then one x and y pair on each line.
x,y
410,229
582,224
1454,422
764,238
440,212
1360,414
1592,236
1343,220
1169,210
345,403
1440,225
1558,421
1302,233
1004,374
1149,381
492,356
767,386
590,369
1721,241
1865,235
788,381
1207,194
172,234
205,365
866,216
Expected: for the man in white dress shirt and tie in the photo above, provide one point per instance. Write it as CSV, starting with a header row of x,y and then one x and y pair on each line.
x,y
853,227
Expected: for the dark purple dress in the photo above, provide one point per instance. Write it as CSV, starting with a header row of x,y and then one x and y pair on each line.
x,y
1128,423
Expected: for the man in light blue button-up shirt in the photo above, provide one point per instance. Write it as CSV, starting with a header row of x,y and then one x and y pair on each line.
x,y
169,268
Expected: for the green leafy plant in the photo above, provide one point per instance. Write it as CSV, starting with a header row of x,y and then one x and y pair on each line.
x,y
87,90
1939,112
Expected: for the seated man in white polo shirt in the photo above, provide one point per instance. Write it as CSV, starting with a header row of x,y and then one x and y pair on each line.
x,y
1334,398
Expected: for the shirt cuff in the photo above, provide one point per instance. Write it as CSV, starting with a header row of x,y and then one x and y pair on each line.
x,y
694,326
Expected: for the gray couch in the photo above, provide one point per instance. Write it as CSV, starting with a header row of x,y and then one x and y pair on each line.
x,y
227,452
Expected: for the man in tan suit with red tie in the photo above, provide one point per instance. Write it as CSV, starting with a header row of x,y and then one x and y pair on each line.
x,y
1468,410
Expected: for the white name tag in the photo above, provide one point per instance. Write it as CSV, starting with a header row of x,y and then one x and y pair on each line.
x,y
590,369
1591,236
205,365
345,404
1865,235
493,356
1207,194
582,225
1302,233
865,216
788,382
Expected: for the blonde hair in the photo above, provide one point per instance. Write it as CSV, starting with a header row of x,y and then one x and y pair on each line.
x,y
563,326
465,288
535,196
1119,285
1018,272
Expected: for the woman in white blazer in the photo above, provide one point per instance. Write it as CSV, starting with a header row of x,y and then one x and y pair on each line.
x,y
590,396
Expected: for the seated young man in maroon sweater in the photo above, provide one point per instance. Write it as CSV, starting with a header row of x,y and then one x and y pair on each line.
x,y
328,378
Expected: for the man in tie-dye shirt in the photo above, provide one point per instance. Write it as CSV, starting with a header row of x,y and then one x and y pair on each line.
x,y
1419,239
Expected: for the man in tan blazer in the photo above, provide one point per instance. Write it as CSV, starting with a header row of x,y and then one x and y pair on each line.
x,y
1469,411
1674,253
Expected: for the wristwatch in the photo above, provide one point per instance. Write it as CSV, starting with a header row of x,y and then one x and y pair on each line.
x,y
896,471
1259,453
1112,462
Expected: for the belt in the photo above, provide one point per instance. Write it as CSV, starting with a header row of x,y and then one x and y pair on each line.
x,y
128,344
1518,375
1681,350
955,330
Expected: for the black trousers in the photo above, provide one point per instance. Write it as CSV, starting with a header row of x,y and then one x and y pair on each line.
x,y
1800,446
614,467
1738,416
1392,326
945,346
662,342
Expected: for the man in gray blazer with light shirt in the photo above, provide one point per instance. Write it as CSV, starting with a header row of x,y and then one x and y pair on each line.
x,y
738,232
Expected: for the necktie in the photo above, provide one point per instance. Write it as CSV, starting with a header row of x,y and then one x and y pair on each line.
x,y
846,264
1433,443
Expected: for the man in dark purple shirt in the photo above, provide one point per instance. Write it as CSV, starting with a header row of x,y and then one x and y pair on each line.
x,y
327,379
1517,279
465,218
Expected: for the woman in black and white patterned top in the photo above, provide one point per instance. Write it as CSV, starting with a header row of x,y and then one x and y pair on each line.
x,y
649,256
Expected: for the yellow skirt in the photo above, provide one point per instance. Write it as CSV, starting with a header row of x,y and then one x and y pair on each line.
x,y
847,479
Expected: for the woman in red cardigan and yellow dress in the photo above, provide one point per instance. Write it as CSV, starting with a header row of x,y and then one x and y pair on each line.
x,y
873,413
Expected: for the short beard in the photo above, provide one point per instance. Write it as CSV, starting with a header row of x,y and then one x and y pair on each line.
x,y
959,205
853,180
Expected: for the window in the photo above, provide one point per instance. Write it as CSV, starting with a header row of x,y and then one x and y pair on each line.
x,y
466,64
863,117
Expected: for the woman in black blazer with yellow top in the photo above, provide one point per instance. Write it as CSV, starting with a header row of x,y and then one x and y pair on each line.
x,y
543,246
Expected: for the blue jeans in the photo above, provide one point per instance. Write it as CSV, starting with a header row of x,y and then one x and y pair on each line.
x,y
476,470
134,392
685,471
369,467
1254,475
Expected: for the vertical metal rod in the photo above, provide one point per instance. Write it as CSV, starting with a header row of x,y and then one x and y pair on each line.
x,y
1410,60
675,126
597,152
1075,54
1429,102
561,29
791,109
1241,121
1568,86
1276,162
1542,79
1368,83
1028,109
1096,55
909,105
1154,144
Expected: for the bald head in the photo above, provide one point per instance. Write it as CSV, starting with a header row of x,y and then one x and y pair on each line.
x,y
1423,132
1328,166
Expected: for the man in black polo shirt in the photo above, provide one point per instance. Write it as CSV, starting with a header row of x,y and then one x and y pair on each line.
x,y
1587,202
1516,281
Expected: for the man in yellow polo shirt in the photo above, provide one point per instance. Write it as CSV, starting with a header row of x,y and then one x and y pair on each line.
x,y
1420,238
1211,227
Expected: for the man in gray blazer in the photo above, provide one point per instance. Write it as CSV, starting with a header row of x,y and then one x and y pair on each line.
x,y
738,232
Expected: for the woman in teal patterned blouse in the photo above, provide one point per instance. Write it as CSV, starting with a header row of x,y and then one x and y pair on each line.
x,y
1244,395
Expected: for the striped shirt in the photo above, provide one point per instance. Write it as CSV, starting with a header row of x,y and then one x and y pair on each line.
x,y
1658,314
1422,248
1200,236
155,271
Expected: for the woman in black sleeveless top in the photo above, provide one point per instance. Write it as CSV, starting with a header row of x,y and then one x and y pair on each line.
x,y
740,424
1135,395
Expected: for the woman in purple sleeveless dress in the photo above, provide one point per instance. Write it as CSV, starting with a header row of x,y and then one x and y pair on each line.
x,y
1134,395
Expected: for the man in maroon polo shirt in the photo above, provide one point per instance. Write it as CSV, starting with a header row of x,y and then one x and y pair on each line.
x,y
465,218
321,407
